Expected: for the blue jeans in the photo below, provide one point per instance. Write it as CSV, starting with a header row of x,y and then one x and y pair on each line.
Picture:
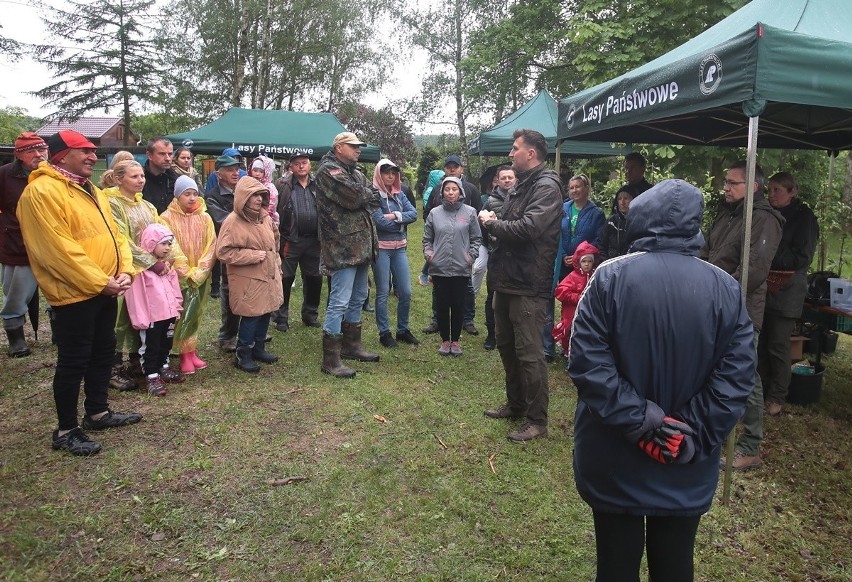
x,y
346,295
392,261
253,330
548,344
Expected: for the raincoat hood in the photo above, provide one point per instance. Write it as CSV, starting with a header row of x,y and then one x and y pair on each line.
x,y
154,234
583,249
380,185
667,217
457,183
435,177
245,188
268,168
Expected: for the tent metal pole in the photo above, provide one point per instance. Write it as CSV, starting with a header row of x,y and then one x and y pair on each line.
x,y
822,203
558,157
751,162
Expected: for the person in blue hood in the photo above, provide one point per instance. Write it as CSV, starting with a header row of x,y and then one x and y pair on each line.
x,y
662,357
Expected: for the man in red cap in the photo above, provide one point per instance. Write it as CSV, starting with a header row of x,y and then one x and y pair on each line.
x,y
19,284
82,264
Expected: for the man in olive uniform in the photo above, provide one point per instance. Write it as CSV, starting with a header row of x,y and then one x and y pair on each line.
x,y
345,199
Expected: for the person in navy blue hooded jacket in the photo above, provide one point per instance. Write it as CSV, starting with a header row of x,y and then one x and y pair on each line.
x,y
663,361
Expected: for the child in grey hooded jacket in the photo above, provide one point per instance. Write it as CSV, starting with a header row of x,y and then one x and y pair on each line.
x,y
451,240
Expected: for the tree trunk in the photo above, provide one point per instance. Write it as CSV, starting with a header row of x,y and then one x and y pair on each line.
x,y
459,53
242,43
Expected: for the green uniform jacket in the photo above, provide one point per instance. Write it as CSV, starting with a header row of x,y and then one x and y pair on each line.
x,y
345,200
724,244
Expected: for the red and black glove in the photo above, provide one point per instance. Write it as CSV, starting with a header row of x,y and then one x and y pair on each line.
x,y
665,443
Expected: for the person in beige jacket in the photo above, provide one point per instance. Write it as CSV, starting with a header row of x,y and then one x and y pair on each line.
x,y
248,247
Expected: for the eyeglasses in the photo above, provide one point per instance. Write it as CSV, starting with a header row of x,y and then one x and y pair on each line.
x,y
733,183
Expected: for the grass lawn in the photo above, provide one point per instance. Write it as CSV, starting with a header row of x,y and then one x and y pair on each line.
x,y
399,476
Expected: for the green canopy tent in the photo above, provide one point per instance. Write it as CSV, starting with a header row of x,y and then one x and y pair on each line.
x,y
777,71
539,113
273,133
786,62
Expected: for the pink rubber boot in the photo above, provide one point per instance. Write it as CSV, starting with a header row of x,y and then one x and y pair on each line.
x,y
187,366
196,361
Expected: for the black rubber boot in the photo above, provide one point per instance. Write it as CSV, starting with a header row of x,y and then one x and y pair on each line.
x,y
244,361
18,347
259,353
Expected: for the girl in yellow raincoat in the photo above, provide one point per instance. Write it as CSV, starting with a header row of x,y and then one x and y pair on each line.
x,y
193,228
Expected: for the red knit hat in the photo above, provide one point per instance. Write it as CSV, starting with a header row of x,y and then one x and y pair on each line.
x,y
60,143
28,141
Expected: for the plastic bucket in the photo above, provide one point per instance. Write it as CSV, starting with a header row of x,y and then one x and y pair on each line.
x,y
806,388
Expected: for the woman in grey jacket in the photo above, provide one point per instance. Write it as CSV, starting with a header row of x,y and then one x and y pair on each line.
x,y
451,239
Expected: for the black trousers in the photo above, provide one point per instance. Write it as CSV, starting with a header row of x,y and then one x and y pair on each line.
x,y
489,309
620,540
773,356
303,254
157,342
85,343
450,294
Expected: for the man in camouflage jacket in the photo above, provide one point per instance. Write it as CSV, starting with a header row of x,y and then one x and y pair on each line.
x,y
348,241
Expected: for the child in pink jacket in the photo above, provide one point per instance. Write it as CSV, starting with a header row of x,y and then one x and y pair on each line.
x,y
154,302
263,170
571,287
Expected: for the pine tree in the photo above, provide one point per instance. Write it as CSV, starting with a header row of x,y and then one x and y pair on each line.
x,y
104,55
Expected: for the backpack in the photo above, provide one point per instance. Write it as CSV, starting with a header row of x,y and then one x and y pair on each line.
x,y
819,289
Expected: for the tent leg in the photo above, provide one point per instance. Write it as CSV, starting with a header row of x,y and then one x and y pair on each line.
x,y
751,162
824,200
558,163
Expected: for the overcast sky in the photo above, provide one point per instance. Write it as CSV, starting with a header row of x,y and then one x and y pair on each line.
x,y
20,21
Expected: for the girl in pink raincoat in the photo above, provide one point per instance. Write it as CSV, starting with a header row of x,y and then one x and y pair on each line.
x,y
154,302
262,170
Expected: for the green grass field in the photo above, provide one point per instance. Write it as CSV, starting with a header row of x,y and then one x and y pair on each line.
x,y
394,475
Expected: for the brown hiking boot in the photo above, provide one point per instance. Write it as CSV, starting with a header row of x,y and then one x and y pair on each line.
x,y
504,411
121,380
527,432
331,363
351,347
742,462
774,408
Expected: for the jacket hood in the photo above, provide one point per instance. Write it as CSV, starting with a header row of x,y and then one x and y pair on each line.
x,y
245,188
667,217
377,179
200,207
583,249
268,168
153,234
458,183
435,177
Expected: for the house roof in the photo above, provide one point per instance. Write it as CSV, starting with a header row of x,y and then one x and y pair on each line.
x,y
91,127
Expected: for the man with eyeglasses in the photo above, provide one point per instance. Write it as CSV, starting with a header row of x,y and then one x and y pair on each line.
x,y
348,246
19,284
724,248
